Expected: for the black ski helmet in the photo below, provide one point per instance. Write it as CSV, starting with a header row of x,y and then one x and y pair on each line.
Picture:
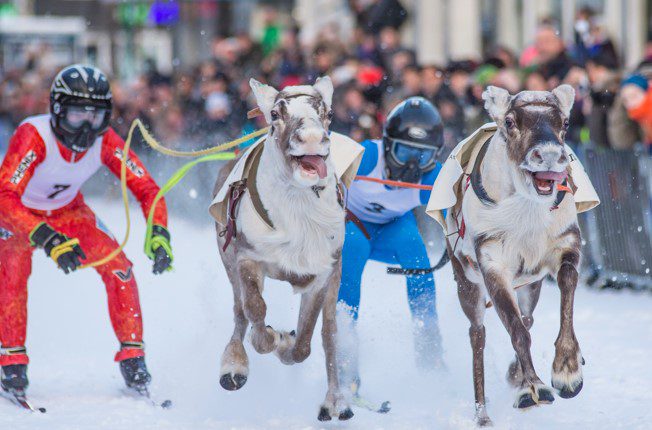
x,y
412,138
80,87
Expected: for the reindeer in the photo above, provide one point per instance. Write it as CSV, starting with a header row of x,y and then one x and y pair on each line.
x,y
289,225
519,228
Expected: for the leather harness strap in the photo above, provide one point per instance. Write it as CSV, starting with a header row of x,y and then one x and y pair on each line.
x,y
253,189
350,216
476,177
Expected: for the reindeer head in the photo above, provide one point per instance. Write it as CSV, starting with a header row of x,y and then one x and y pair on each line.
x,y
533,125
299,116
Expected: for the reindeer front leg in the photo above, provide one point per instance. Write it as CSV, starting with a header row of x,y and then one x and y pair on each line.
x,y
334,404
566,369
500,289
263,338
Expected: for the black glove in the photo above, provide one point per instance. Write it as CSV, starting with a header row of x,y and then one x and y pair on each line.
x,y
65,252
159,249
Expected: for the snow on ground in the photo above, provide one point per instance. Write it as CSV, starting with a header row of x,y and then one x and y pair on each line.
x,y
188,320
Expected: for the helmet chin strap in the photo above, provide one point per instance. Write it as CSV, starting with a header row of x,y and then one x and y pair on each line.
x,y
409,172
82,140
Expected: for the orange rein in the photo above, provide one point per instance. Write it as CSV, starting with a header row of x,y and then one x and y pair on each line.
x,y
394,183
400,184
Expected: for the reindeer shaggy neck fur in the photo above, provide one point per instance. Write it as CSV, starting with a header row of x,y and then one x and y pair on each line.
x,y
510,246
297,186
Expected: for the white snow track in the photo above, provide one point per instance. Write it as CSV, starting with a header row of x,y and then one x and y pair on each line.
x,y
188,321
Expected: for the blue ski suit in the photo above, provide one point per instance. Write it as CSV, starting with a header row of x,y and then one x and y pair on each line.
x,y
394,237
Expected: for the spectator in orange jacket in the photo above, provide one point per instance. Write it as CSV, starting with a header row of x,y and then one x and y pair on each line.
x,y
637,98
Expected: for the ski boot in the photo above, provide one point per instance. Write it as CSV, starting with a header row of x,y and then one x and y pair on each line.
x,y
134,371
13,378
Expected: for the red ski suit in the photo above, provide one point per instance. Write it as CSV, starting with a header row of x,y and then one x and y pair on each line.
x,y
33,147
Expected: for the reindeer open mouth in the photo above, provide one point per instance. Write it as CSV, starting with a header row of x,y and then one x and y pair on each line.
x,y
545,182
312,164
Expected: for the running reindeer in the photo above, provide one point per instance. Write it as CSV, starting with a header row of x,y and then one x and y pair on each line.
x,y
519,227
286,219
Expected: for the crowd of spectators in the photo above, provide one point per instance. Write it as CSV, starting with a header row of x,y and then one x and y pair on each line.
x,y
207,104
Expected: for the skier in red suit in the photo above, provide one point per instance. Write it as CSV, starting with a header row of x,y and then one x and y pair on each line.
x,y
48,160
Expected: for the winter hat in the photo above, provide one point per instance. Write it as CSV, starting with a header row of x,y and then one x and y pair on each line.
x,y
638,80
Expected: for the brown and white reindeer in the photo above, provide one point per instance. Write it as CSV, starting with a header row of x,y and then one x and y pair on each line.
x,y
518,228
288,225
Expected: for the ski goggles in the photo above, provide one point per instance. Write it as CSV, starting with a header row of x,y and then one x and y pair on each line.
x,y
404,152
77,116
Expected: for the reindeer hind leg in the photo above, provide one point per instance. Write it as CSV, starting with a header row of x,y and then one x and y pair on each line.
x,y
335,405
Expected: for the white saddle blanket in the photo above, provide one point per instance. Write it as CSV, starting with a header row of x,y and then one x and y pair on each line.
x,y
446,191
345,153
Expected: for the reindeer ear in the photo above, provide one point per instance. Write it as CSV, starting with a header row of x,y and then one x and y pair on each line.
x,y
324,86
566,96
265,96
496,102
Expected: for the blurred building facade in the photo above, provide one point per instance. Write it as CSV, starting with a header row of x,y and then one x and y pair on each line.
x,y
125,36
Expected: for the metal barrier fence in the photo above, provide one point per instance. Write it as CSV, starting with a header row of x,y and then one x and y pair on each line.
x,y
619,231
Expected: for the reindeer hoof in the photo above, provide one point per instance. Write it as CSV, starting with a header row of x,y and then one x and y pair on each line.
x,y
567,392
481,417
526,399
346,414
324,415
568,383
484,422
546,395
232,382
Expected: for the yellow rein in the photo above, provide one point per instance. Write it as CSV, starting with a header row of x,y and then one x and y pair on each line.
x,y
176,178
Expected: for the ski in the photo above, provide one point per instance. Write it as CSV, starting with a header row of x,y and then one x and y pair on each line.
x,y
20,399
144,394
361,402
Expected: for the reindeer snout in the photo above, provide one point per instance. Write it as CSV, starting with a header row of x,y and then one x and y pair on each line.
x,y
548,157
313,140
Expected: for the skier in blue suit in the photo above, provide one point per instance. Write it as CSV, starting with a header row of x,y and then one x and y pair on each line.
x,y
386,230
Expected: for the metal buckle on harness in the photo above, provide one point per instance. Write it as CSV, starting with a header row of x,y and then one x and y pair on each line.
x,y
237,190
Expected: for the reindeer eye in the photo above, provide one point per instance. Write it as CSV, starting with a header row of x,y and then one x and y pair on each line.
x,y
509,123
565,125
329,115
274,115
